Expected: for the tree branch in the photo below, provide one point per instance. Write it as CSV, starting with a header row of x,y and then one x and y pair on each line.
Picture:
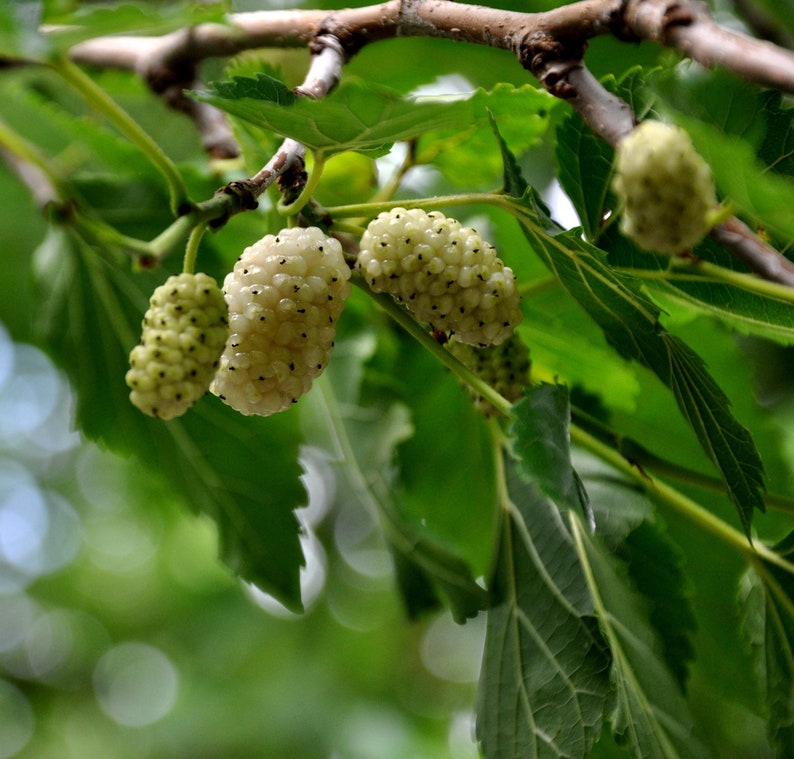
x,y
550,44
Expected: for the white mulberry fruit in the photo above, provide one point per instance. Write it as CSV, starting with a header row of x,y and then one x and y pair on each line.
x,y
665,186
505,367
285,295
445,274
184,331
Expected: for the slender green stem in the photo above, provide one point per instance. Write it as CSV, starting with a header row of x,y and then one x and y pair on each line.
x,y
294,208
172,236
99,99
638,455
18,146
721,214
193,243
370,210
422,336
703,271
673,499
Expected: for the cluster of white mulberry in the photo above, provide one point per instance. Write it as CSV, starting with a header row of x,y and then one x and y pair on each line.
x,y
259,343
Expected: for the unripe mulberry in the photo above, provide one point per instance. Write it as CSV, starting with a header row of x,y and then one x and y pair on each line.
x,y
285,295
445,274
183,334
505,367
665,186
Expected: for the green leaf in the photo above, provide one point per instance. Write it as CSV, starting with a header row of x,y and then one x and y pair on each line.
x,y
569,346
363,443
447,482
651,715
713,97
767,601
765,196
89,21
585,161
626,522
356,116
630,323
777,150
585,169
242,472
544,686
261,87
746,312
467,154
542,443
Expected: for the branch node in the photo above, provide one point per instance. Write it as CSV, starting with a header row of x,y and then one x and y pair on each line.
x,y
243,194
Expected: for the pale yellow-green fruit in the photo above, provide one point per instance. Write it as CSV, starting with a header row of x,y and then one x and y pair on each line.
x,y
665,188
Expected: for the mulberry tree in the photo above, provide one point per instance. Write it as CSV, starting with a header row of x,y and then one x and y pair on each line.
x,y
521,276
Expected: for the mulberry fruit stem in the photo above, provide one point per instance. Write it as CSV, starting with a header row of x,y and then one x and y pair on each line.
x,y
96,97
294,208
424,338
191,252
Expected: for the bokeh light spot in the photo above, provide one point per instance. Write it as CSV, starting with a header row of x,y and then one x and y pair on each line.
x,y
16,720
135,684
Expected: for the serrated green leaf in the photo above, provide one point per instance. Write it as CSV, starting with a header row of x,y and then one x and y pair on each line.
x,y
629,527
468,154
746,312
242,472
261,86
544,686
767,606
585,168
630,323
651,715
356,116
541,437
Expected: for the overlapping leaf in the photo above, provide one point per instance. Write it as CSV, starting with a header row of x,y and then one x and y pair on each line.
x,y
467,154
652,715
355,116
767,598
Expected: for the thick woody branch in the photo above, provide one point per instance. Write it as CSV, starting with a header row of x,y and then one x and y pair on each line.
x,y
689,27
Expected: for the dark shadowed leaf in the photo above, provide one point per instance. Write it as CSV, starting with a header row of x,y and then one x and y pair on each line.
x,y
544,686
